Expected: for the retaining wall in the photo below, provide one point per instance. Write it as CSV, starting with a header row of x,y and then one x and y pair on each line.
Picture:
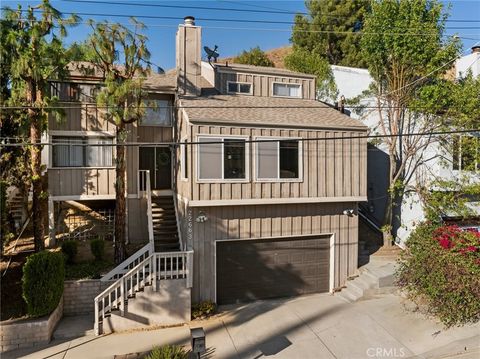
x,y
78,295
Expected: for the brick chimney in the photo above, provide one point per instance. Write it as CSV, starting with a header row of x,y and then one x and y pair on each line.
x,y
188,57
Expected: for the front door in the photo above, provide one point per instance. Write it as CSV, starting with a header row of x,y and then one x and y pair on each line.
x,y
158,160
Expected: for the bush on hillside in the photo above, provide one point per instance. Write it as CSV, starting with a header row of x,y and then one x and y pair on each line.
x,y
42,282
70,249
97,247
441,269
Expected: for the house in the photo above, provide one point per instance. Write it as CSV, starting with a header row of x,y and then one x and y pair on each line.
x,y
447,162
249,174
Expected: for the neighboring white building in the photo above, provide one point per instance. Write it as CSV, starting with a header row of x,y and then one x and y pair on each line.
x,y
446,164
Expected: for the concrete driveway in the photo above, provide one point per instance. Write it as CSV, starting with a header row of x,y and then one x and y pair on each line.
x,y
315,326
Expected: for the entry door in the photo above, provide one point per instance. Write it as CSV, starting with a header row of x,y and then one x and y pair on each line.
x,y
158,160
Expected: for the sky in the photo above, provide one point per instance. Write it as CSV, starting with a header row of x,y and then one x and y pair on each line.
x,y
230,35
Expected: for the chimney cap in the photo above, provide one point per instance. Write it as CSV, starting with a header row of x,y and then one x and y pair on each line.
x,y
475,49
189,20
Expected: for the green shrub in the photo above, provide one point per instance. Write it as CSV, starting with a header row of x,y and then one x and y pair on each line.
x,y
203,309
70,249
440,270
42,282
168,352
97,247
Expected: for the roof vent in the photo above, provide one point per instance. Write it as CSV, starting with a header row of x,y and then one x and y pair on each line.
x,y
189,21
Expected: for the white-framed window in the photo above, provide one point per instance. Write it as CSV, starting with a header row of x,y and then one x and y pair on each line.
x,y
286,90
184,159
222,158
82,151
278,159
239,87
157,113
466,153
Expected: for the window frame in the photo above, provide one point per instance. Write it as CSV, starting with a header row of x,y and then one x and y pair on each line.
x,y
223,179
169,110
250,93
300,89
278,179
459,160
84,140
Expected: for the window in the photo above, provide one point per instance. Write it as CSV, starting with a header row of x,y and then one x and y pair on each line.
x,y
72,152
157,113
184,159
278,159
65,91
466,153
221,158
286,90
239,87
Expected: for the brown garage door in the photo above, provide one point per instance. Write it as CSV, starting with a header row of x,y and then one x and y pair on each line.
x,y
248,270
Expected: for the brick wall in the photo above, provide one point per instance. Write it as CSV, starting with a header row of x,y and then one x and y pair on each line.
x,y
78,295
18,334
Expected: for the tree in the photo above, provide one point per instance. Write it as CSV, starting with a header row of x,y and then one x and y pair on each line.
x,y
255,57
405,49
311,63
331,30
36,55
120,53
81,51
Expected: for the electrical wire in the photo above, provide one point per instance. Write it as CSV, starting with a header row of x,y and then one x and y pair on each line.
x,y
135,144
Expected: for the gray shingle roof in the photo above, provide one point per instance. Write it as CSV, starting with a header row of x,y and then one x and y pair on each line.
x,y
261,69
269,111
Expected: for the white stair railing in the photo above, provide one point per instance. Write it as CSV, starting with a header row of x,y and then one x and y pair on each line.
x,y
154,268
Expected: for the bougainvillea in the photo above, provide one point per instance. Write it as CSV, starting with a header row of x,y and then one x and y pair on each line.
x,y
440,271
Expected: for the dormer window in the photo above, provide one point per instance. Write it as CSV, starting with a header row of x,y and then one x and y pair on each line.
x,y
239,87
287,90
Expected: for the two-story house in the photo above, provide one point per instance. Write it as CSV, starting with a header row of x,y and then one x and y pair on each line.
x,y
260,180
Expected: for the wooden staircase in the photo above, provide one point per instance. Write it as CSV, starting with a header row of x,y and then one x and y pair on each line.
x,y
165,231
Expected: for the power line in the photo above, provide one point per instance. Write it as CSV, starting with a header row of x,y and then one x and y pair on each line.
x,y
271,11
135,144
254,22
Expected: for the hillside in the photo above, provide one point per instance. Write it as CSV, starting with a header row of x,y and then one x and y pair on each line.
x,y
275,55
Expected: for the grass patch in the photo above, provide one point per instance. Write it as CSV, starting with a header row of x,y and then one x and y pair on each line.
x,y
87,270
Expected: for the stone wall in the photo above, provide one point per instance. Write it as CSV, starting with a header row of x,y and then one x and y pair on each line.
x,y
16,334
78,295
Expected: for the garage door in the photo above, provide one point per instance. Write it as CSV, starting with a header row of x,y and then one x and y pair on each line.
x,y
248,270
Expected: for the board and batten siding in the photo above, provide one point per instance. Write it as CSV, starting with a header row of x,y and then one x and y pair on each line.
x,y
269,221
331,167
80,116
81,181
263,83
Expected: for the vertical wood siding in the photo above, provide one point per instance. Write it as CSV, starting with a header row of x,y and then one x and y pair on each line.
x,y
81,116
244,222
262,84
81,181
331,168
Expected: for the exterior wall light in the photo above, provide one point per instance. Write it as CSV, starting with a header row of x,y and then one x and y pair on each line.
x,y
349,212
201,218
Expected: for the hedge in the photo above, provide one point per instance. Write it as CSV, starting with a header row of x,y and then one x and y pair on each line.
x,y
42,282
440,271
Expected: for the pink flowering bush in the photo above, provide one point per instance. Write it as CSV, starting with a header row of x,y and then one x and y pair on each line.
x,y
441,270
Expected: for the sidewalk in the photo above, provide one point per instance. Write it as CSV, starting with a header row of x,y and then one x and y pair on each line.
x,y
315,326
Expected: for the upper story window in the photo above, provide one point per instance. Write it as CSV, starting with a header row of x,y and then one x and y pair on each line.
x,y
222,158
278,160
66,91
157,114
239,87
82,152
287,90
466,153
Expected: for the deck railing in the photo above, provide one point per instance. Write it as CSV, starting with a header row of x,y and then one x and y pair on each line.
x,y
154,268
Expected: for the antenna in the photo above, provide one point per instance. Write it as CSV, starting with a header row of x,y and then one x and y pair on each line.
x,y
211,54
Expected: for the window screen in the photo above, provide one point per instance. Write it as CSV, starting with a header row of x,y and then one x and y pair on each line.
x,y
267,159
278,159
99,156
287,90
159,114
210,158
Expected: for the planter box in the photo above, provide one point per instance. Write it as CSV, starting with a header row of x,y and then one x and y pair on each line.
x,y
26,333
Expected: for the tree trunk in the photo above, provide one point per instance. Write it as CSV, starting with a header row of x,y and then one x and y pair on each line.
x,y
120,205
388,217
36,170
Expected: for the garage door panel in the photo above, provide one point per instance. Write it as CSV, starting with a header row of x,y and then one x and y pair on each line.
x,y
259,269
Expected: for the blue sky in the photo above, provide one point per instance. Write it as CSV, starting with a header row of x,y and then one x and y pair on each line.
x,y
230,36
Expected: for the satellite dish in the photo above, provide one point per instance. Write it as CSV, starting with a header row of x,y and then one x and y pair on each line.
x,y
211,53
